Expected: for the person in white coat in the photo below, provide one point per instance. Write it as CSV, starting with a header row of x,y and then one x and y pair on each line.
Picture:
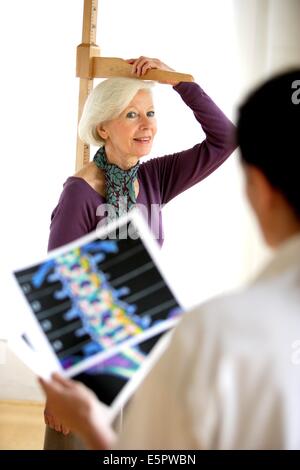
x,y
230,378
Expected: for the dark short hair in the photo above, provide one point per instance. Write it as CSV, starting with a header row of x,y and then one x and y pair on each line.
x,y
268,133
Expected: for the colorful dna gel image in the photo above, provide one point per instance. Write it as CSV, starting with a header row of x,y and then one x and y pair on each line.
x,y
105,317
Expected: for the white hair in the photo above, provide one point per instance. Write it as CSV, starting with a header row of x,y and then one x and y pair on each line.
x,y
107,100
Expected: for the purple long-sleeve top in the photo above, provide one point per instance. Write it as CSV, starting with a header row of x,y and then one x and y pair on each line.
x,y
160,179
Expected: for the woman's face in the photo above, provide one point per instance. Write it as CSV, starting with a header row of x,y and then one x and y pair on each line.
x,y
131,134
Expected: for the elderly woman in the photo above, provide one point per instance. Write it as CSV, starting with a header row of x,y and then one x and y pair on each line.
x,y
119,118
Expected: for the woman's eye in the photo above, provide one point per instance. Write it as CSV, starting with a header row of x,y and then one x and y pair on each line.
x,y
131,115
151,113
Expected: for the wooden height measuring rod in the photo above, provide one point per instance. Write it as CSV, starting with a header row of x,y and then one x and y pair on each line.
x,y
90,65
85,52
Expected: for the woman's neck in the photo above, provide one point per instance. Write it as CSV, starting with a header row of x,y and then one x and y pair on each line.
x,y
124,162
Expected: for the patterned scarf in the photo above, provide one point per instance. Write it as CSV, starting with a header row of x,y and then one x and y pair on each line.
x,y
120,193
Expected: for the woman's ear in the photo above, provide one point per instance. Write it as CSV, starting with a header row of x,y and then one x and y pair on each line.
x,y
102,131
